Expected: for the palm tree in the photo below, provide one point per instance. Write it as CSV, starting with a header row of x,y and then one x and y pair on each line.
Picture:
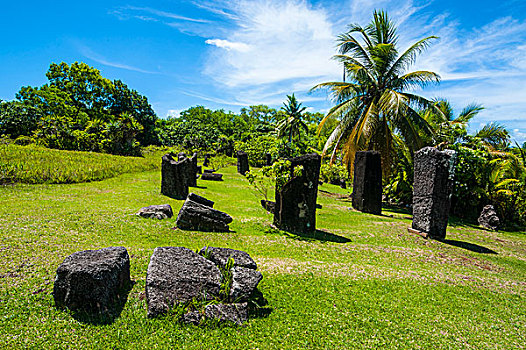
x,y
447,128
292,123
374,106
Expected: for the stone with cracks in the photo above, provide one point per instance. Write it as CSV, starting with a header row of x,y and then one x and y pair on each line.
x,y
295,209
199,217
177,274
367,182
175,177
92,281
488,218
242,162
212,176
433,183
244,282
163,211
236,313
220,256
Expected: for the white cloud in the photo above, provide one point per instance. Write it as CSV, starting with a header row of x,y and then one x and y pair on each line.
x,y
228,45
88,53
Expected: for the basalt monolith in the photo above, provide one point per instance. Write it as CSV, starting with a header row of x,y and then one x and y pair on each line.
x,y
367,182
242,162
175,177
295,209
433,183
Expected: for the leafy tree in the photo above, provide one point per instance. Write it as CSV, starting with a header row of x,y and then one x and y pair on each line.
x,y
494,136
17,119
292,123
375,104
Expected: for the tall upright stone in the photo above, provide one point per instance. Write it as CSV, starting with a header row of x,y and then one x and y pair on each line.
x,y
193,171
367,182
242,162
175,177
268,159
295,209
432,187
206,159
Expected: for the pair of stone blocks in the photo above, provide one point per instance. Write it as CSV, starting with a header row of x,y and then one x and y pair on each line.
x,y
94,281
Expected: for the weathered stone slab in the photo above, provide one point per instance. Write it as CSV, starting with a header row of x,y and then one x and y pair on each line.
x,y
199,217
433,183
92,281
206,160
367,182
212,176
192,176
488,218
236,313
242,162
201,200
163,211
175,177
177,274
220,256
295,209
244,283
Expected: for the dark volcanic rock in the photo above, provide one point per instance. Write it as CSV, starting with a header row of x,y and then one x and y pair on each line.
x,y
175,177
193,171
206,160
199,169
220,256
212,176
433,183
268,159
296,201
201,200
488,218
209,171
92,281
242,162
244,282
268,205
163,211
177,274
236,313
367,182
199,217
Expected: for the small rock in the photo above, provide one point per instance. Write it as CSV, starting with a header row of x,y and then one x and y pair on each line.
x,y
488,218
219,256
244,283
163,211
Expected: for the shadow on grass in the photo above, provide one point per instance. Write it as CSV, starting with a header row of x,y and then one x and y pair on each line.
x,y
318,235
258,306
105,318
469,246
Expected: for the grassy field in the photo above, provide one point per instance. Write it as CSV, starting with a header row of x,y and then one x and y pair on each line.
x,y
361,282
35,165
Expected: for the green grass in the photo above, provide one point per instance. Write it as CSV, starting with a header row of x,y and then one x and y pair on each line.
x,y
384,288
35,165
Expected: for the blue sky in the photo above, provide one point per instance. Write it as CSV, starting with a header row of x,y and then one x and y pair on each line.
x,y
230,54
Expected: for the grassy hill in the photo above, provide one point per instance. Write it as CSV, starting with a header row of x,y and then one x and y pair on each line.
x,y
361,282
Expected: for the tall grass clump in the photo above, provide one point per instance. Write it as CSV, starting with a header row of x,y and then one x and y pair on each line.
x,y
34,164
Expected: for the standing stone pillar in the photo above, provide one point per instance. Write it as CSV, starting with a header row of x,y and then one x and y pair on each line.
x,y
192,181
432,187
174,177
268,159
206,160
367,182
242,162
295,209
